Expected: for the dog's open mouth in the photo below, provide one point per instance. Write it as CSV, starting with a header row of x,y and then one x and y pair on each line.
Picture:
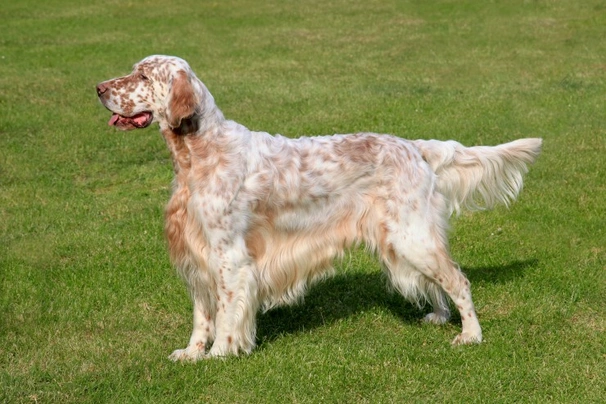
x,y
138,121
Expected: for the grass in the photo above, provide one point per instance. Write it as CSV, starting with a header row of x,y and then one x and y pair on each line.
x,y
89,306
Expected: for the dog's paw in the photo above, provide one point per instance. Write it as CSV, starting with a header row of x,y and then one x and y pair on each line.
x,y
435,318
467,338
189,354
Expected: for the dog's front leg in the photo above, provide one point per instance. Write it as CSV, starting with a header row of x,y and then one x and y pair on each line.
x,y
237,302
202,335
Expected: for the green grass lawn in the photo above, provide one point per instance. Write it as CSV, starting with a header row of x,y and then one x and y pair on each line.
x,y
89,305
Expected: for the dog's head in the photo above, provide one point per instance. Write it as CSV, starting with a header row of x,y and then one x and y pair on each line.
x,y
160,89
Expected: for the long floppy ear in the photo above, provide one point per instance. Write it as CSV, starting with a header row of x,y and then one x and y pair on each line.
x,y
182,100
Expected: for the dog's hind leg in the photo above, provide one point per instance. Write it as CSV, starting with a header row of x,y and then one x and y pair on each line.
x,y
420,267
428,278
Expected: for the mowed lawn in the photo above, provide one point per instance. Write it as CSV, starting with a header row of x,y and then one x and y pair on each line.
x,y
90,307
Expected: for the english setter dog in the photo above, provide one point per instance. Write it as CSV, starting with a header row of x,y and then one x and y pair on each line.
x,y
254,219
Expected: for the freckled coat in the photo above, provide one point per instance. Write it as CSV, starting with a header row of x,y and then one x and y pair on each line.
x,y
254,219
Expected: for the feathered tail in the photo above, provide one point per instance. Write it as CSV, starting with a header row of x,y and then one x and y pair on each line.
x,y
479,177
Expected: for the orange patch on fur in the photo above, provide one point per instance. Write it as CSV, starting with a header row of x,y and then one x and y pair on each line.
x,y
183,101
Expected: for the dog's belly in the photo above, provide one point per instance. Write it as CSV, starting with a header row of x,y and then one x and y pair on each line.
x,y
298,246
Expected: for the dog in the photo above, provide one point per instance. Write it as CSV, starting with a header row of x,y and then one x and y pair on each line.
x,y
255,219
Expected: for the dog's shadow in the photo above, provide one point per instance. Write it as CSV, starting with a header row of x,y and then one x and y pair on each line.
x,y
346,295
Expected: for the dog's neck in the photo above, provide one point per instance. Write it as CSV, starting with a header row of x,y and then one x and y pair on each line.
x,y
192,131
189,126
208,117
178,151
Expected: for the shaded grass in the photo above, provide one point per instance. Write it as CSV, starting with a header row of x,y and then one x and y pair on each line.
x,y
89,306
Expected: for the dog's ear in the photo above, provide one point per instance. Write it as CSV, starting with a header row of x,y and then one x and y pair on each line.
x,y
182,100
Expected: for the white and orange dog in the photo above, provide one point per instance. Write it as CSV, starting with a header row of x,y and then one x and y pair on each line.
x,y
254,219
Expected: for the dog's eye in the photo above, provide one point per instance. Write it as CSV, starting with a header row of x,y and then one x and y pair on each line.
x,y
143,77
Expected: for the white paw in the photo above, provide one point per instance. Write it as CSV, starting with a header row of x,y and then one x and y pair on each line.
x,y
435,318
466,339
189,354
218,351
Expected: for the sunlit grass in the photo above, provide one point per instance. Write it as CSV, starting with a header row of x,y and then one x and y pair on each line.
x,y
89,306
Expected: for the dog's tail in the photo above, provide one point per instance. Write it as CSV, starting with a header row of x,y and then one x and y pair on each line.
x,y
479,177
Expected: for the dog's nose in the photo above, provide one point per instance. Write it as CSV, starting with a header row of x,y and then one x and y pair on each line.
x,y
101,89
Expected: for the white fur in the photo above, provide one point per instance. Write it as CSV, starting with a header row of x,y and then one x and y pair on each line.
x,y
255,219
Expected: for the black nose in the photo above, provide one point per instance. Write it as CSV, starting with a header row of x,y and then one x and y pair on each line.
x,y
101,89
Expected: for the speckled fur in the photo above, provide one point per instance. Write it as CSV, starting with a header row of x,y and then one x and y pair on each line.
x,y
254,219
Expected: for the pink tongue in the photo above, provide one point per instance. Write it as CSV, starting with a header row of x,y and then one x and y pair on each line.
x,y
113,119
140,119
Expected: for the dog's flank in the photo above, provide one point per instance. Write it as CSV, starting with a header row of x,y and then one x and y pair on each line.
x,y
254,219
